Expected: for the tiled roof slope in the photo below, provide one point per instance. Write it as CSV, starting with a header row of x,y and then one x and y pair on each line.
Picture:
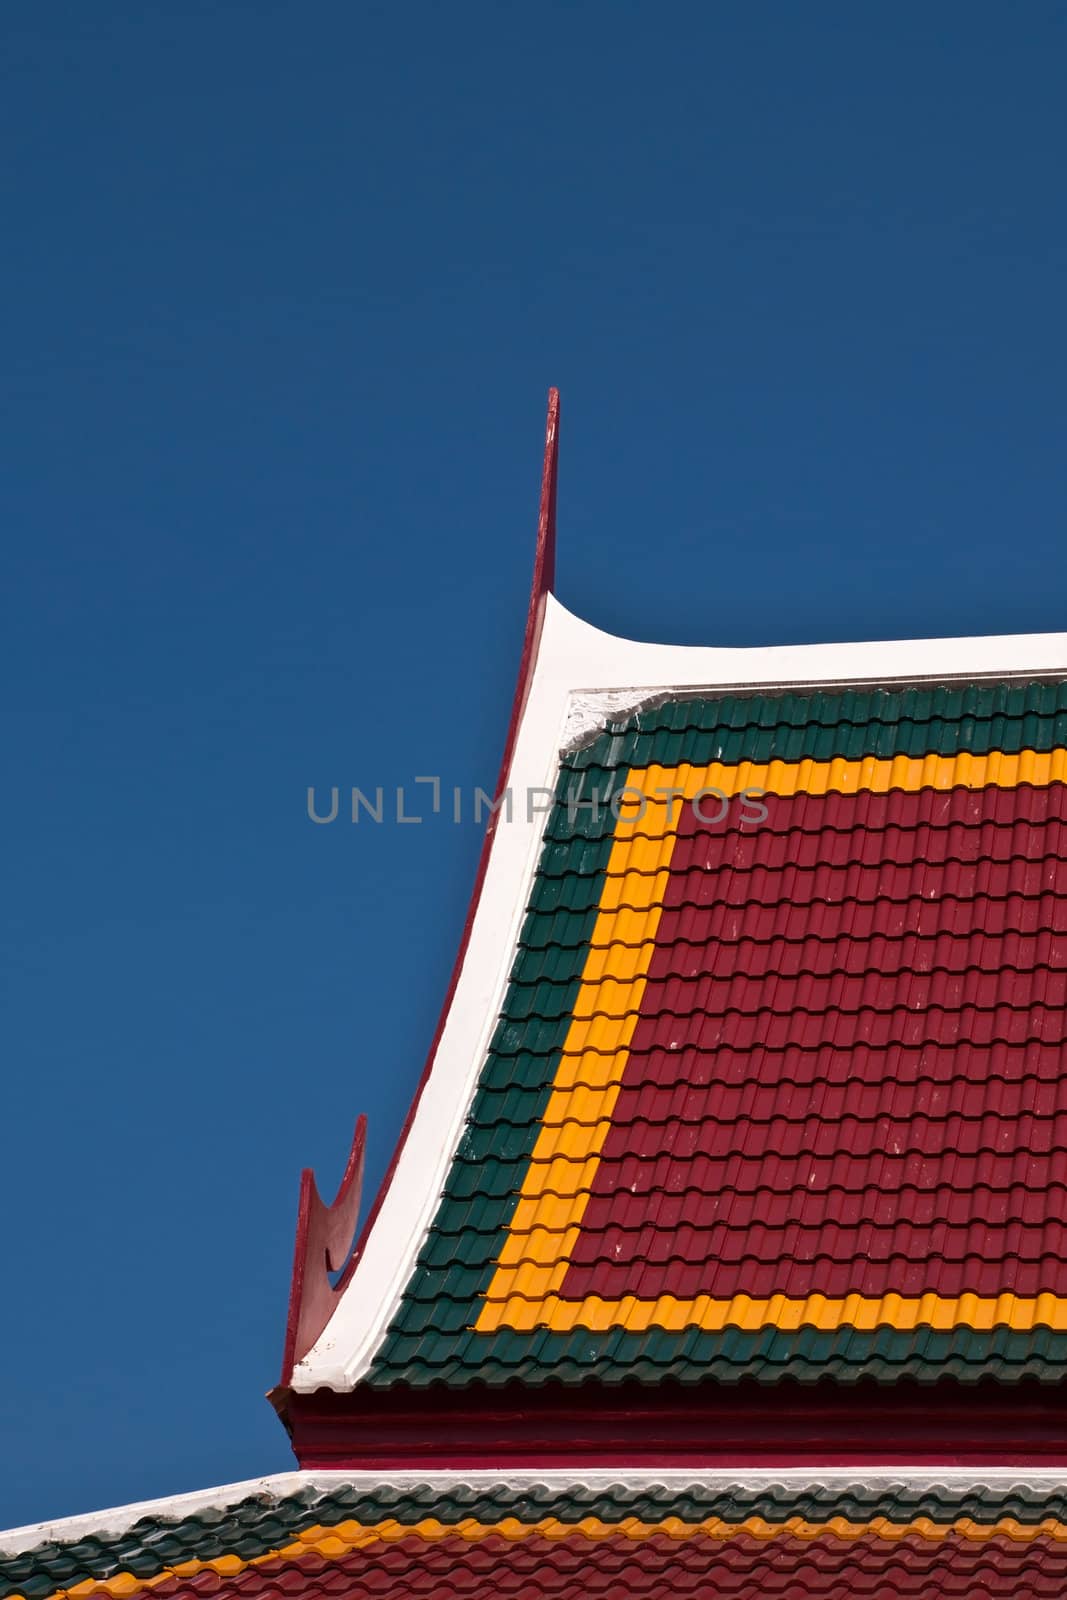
x,y
812,1543
778,1085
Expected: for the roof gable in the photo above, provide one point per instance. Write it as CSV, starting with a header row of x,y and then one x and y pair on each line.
x,y
750,1063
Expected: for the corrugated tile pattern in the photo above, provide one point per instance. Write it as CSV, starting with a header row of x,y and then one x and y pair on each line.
x,y
821,1542
873,1093
780,1095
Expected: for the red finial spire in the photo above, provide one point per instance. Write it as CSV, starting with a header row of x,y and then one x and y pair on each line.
x,y
545,557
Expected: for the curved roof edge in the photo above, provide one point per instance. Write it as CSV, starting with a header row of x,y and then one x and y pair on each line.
x,y
324,1234
574,680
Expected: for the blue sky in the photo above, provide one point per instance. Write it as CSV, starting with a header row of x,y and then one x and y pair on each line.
x,y
283,289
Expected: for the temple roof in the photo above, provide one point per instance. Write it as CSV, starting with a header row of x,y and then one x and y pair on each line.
x,y
751,1064
750,1069
566,1538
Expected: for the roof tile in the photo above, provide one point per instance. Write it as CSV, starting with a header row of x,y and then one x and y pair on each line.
x,y
813,1054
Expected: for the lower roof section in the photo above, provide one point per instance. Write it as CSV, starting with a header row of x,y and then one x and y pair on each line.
x,y
562,1535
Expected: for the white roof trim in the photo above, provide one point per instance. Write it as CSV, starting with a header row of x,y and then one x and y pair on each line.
x,y
116,1519
119,1519
582,679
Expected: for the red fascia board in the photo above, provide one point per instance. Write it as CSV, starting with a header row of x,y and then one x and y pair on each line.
x,y
864,1424
312,1298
